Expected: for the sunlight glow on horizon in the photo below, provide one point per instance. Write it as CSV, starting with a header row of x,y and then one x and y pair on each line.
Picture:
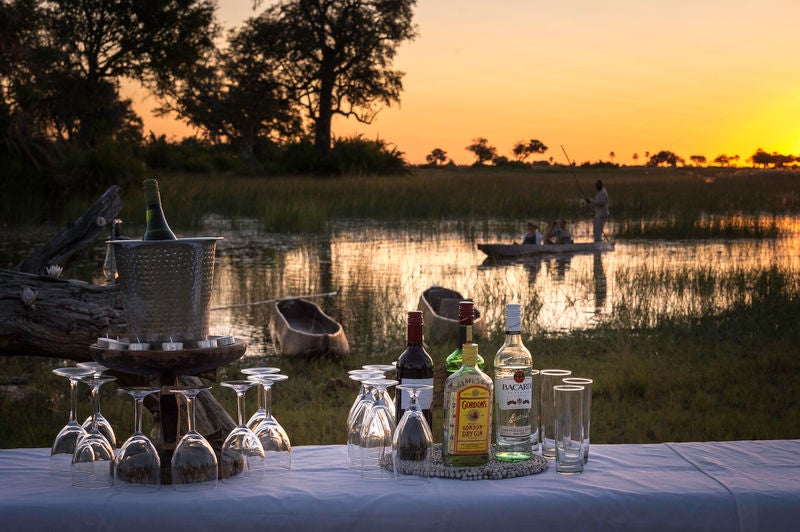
x,y
696,78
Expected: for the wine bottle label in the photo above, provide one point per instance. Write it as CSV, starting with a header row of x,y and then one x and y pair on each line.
x,y
424,397
470,420
514,392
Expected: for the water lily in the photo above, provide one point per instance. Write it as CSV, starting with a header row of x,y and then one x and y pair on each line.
x,y
54,271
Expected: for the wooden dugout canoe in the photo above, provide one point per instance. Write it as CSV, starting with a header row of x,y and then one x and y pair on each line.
x,y
522,250
300,327
439,308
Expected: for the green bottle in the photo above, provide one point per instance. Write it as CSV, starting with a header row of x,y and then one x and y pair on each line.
x,y
157,227
466,315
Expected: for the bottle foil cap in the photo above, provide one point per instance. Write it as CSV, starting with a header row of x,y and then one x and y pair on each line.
x,y
513,317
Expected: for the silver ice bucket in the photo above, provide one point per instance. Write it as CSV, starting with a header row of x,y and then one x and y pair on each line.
x,y
166,287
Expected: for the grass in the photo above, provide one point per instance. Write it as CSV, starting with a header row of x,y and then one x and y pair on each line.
x,y
680,372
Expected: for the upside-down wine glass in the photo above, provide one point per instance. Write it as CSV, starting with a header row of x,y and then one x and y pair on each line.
x,y
102,423
360,375
261,412
357,421
385,368
242,455
64,445
412,444
138,466
93,459
277,447
376,435
194,463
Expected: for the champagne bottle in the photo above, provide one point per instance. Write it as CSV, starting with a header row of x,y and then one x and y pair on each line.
x,y
157,228
415,366
467,413
513,387
466,315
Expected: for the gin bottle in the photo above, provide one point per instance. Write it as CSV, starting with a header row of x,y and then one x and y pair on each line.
x,y
467,413
513,386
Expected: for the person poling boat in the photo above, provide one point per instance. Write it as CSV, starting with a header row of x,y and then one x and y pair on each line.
x,y
601,211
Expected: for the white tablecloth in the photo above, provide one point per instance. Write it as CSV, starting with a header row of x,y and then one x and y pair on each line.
x,y
742,485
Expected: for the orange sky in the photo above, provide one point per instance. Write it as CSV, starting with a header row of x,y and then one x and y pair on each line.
x,y
697,77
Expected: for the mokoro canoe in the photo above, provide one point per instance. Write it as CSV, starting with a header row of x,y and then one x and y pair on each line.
x,y
521,250
300,327
439,308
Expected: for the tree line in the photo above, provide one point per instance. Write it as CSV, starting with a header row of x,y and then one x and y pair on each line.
x,y
264,92
485,153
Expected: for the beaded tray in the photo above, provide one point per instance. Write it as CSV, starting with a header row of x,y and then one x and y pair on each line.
x,y
494,469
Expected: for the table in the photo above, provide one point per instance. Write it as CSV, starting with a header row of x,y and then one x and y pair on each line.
x,y
741,485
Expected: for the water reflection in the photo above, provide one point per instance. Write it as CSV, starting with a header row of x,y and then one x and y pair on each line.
x,y
380,272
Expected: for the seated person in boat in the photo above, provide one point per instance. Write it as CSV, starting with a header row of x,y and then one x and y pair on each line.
x,y
558,233
564,234
533,236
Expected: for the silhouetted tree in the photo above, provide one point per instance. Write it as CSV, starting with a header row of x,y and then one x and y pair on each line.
x,y
436,157
698,160
635,158
722,159
665,158
522,150
234,96
482,151
336,57
611,156
762,158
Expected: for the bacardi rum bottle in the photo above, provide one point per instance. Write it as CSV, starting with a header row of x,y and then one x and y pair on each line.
x,y
513,386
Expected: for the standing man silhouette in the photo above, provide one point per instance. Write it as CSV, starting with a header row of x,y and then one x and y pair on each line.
x,y
601,212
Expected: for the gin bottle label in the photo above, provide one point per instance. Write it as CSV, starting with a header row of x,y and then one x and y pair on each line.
x,y
471,420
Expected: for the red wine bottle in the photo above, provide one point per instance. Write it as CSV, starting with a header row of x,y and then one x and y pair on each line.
x,y
415,366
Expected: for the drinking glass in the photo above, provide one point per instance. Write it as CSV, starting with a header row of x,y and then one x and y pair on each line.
x,y
412,444
102,423
261,413
535,408
549,378
587,407
274,440
93,459
376,435
194,463
569,433
242,455
138,466
64,445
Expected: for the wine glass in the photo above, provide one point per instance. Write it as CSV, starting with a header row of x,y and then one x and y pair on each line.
x,y
64,445
376,435
412,444
93,459
277,447
194,462
242,454
138,466
261,413
385,368
360,375
357,420
102,423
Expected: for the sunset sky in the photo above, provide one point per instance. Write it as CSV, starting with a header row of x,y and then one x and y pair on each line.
x,y
697,77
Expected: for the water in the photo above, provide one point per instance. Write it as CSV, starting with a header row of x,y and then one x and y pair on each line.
x,y
379,272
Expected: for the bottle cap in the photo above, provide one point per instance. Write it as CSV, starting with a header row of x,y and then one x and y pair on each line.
x,y
415,317
513,317
466,312
151,194
469,354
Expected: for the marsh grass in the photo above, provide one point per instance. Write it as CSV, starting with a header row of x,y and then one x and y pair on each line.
x,y
645,202
716,359
680,374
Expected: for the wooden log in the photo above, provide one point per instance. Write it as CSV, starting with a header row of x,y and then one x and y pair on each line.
x,y
56,318
72,241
